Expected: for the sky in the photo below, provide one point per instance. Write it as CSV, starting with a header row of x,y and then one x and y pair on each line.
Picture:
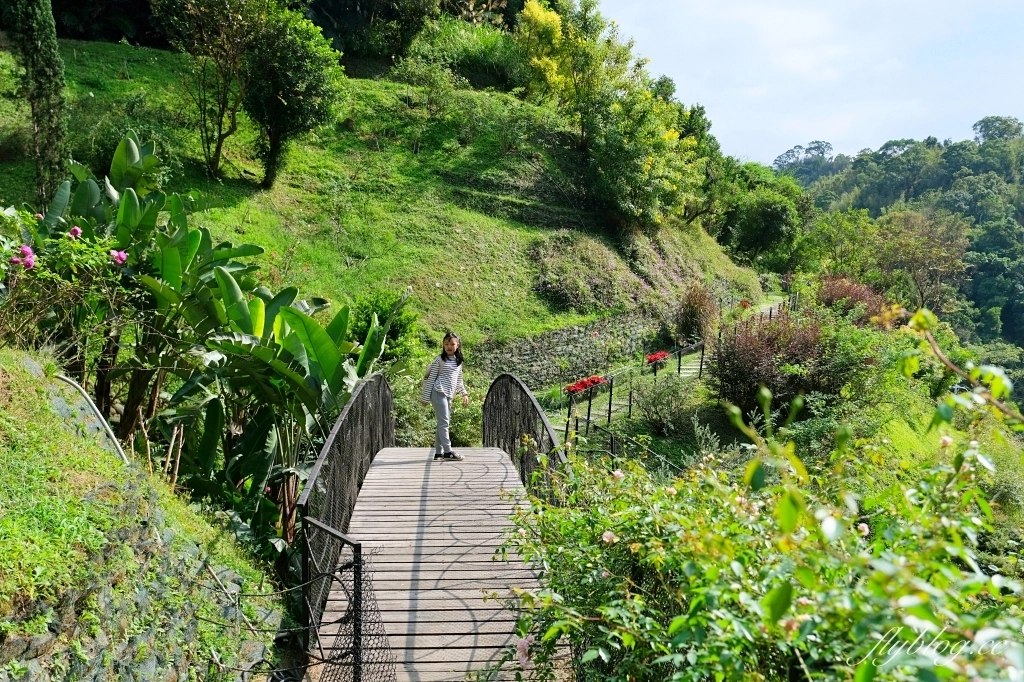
x,y
777,73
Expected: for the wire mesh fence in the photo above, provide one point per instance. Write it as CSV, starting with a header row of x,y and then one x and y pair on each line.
x,y
345,634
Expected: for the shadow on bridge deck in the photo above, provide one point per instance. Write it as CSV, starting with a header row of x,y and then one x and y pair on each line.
x,y
429,531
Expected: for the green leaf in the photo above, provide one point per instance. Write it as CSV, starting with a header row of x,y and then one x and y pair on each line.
x,y
257,312
165,295
167,262
924,320
213,431
943,413
129,214
59,204
235,306
589,656
909,363
324,358
865,671
372,348
787,511
777,602
283,299
676,623
338,327
754,476
87,195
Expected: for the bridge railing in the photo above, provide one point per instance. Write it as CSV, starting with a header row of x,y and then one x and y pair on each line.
x,y
347,639
514,421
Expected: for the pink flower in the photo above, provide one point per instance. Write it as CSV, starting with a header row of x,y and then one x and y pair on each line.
x,y
618,474
119,256
803,601
523,652
863,528
15,260
75,232
26,251
945,441
39,216
609,537
670,491
30,262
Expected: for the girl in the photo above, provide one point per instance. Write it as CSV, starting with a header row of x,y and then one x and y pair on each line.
x,y
440,384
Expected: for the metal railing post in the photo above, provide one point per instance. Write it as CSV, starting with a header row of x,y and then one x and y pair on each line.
x,y
568,415
590,402
611,391
700,369
357,616
629,414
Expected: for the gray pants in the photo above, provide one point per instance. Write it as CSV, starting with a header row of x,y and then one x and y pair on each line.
x,y
443,411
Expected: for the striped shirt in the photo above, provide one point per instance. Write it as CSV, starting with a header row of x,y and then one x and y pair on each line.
x,y
444,376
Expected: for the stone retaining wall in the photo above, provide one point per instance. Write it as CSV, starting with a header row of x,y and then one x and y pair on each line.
x,y
136,620
564,355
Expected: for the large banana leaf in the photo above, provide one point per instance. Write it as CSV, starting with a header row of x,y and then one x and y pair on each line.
x,y
283,299
235,305
322,352
57,206
338,327
213,430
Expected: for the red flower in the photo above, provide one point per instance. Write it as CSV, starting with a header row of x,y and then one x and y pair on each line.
x,y
744,304
657,357
584,384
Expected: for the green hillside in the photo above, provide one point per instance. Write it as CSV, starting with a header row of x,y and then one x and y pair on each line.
x,y
97,556
457,196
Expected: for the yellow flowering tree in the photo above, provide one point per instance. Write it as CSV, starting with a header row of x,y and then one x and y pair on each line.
x,y
642,170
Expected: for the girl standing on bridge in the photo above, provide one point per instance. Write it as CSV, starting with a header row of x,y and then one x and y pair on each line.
x,y
440,384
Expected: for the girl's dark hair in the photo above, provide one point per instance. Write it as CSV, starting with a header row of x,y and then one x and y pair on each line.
x,y
458,351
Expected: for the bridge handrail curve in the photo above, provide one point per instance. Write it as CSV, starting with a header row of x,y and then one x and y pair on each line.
x,y
505,425
364,427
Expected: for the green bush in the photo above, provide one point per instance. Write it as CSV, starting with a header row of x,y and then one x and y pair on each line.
x,y
483,55
401,338
294,82
414,424
720,575
666,405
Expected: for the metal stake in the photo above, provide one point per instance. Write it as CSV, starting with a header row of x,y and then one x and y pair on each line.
x,y
611,390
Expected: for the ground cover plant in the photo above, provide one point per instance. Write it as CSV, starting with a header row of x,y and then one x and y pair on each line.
x,y
775,570
66,500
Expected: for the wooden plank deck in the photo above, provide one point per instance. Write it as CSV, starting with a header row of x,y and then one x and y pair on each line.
x,y
429,531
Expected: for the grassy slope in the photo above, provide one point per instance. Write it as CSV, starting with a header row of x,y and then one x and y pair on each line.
x,y
60,496
447,200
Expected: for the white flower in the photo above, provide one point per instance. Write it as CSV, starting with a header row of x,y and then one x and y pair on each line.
x,y
618,474
609,537
945,441
863,528
670,490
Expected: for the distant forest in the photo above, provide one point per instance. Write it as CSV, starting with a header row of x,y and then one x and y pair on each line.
x,y
978,181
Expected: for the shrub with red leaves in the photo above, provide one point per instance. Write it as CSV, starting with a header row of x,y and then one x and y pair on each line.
x,y
847,295
584,384
744,304
657,357
782,355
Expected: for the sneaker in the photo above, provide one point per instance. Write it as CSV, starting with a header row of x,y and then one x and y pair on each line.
x,y
437,456
452,457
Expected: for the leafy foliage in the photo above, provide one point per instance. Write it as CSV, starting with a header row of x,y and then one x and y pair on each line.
x,y
379,28
769,571
33,36
293,81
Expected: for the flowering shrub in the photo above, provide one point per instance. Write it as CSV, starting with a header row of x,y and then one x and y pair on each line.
x,y
741,575
849,296
584,384
657,357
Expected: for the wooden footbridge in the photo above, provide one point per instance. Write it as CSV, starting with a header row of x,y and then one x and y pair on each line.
x,y
399,550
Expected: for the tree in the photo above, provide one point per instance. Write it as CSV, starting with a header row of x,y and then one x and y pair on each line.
x,y
33,36
294,81
922,256
218,34
379,28
997,128
844,240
